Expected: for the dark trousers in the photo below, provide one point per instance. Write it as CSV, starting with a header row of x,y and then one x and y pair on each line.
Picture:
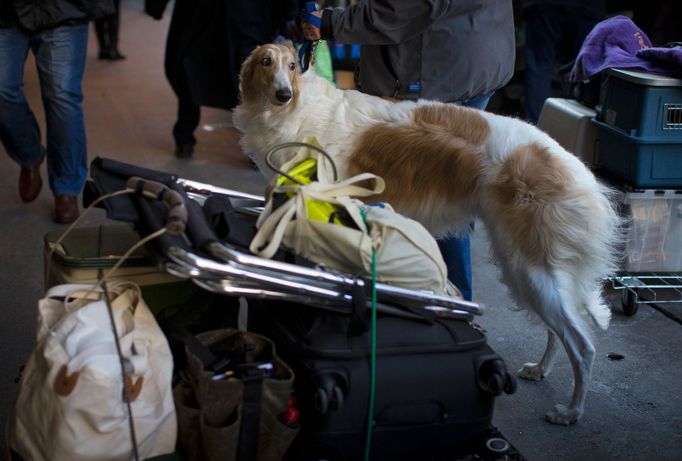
x,y
189,114
106,29
553,38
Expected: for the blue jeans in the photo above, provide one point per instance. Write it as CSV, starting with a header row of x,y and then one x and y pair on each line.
x,y
60,55
456,250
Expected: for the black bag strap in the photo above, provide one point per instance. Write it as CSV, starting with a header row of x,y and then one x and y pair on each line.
x,y
250,426
358,321
178,332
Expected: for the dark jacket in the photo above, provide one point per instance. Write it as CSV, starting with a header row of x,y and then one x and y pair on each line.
x,y
36,15
447,50
595,9
208,40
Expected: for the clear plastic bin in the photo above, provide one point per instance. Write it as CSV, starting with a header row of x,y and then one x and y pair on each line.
x,y
654,238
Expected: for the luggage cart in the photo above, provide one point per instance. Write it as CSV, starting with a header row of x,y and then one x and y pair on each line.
x,y
639,289
192,250
652,266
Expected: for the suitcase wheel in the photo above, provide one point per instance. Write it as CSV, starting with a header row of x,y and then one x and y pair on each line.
x,y
493,377
330,393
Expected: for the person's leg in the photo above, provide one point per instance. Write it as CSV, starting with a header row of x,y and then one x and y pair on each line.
x,y
543,35
189,115
456,249
19,131
114,26
103,39
477,102
580,28
60,57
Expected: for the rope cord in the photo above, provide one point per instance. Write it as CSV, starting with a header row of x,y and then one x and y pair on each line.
x,y
126,389
373,350
268,159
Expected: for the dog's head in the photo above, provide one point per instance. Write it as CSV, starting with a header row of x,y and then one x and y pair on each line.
x,y
269,76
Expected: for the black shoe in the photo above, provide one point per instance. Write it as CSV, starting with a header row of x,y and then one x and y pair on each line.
x,y
115,55
111,55
184,150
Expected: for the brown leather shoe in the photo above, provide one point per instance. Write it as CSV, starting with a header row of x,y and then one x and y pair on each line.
x,y
65,208
30,182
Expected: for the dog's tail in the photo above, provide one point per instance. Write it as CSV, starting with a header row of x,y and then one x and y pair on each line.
x,y
561,218
603,255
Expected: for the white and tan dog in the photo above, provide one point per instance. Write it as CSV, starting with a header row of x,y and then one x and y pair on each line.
x,y
551,224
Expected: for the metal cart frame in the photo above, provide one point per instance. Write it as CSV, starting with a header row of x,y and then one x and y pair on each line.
x,y
650,288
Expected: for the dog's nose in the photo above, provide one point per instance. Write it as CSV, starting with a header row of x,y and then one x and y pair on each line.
x,y
283,95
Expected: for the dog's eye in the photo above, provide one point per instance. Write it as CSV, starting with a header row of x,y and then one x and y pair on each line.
x,y
266,61
292,66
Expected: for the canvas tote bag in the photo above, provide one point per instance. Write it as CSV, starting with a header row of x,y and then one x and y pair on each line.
x,y
407,255
70,404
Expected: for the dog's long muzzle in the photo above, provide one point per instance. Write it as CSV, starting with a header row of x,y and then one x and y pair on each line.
x,y
283,95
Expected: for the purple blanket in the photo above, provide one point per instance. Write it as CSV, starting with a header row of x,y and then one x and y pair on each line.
x,y
617,42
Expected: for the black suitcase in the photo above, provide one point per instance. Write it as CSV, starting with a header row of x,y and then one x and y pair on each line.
x,y
436,380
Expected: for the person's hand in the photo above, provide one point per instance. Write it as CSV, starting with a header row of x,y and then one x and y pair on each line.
x,y
310,31
292,31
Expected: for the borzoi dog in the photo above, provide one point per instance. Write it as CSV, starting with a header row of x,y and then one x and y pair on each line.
x,y
551,224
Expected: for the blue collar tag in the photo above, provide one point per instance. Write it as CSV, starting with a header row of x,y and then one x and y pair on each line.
x,y
414,87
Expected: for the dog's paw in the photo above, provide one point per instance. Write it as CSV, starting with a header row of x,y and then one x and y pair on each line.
x,y
532,372
561,414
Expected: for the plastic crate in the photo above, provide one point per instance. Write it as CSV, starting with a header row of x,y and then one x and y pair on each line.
x,y
643,162
642,104
570,124
87,253
654,236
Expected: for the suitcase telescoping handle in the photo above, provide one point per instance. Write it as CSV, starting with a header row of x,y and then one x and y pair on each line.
x,y
176,219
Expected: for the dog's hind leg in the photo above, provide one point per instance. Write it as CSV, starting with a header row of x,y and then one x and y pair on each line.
x,y
541,369
552,304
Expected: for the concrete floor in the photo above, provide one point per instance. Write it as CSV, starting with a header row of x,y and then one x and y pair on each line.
x,y
634,407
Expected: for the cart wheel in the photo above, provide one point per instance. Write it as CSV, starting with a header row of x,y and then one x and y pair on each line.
x,y
629,302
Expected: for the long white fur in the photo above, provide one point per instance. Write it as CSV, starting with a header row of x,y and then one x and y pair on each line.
x,y
556,294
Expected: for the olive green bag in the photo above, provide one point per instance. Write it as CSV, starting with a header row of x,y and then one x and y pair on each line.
x,y
223,415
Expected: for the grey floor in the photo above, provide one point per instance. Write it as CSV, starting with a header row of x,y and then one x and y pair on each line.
x,y
634,407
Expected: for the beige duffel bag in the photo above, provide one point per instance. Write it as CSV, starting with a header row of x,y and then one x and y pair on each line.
x,y
325,222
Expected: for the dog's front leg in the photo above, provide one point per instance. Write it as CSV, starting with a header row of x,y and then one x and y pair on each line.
x,y
541,369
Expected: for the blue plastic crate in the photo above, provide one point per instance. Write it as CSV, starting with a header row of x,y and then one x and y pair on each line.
x,y
645,162
642,104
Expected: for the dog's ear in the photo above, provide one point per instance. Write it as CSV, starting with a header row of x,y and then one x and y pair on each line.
x,y
247,88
